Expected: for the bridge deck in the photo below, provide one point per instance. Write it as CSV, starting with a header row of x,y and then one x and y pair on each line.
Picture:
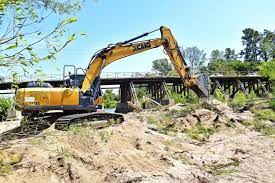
x,y
143,80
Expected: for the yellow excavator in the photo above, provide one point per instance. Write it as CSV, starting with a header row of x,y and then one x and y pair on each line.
x,y
88,97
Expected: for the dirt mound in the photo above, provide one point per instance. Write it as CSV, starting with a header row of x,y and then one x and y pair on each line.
x,y
151,146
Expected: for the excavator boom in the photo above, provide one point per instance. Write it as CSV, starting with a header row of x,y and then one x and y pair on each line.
x,y
117,51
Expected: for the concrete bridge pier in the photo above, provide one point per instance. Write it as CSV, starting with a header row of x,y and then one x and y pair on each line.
x,y
125,97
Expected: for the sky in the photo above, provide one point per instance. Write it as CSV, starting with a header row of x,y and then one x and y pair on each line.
x,y
207,24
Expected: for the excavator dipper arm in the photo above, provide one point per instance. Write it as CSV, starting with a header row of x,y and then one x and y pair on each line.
x,y
115,52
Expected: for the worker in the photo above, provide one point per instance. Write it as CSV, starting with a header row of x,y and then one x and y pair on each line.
x,y
68,80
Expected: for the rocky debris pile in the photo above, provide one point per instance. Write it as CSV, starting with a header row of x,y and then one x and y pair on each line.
x,y
210,113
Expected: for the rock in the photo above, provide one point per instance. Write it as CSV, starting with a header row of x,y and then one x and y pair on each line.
x,y
193,120
152,127
206,116
186,122
182,123
217,106
244,116
176,107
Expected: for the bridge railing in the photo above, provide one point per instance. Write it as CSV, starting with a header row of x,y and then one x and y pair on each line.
x,y
25,78
233,73
58,77
112,75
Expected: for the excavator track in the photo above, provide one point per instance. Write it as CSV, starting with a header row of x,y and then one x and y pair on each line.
x,y
64,122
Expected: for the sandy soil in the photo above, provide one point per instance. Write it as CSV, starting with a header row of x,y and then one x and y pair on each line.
x,y
8,125
133,152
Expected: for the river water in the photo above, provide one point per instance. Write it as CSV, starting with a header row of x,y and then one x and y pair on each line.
x,y
112,110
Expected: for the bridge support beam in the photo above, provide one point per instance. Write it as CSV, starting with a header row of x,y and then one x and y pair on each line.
x,y
179,88
158,92
231,86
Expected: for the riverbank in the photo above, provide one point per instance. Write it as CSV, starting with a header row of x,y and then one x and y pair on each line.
x,y
208,142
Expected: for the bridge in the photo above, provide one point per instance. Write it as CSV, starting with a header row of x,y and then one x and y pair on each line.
x,y
158,87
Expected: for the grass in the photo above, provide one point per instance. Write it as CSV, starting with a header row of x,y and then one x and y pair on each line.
x,y
64,152
265,114
82,130
259,123
36,141
104,136
172,144
272,104
200,132
163,126
191,97
216,172
261,126
219,95
218,169
25,122
238,101
152,120
7,161
183,112
182,157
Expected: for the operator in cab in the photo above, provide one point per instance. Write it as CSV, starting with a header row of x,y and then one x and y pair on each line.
x,y
68,80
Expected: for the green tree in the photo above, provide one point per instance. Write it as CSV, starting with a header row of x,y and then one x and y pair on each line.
x,y
216,55
25,30
162,66
195,57
229,54
267,69
232,67
5,104
267,45
110,99
250,40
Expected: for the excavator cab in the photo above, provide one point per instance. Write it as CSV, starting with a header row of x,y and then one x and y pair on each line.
x,y
76,78
71,76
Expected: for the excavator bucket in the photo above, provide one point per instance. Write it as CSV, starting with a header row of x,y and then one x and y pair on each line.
x,y
202,87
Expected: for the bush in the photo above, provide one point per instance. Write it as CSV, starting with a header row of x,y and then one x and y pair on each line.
x,y
252,96
238,101
200,132
7,161
219,95
267,69
272,104
232,67
261,126
110,99
191,97
5,104
265,114
178,98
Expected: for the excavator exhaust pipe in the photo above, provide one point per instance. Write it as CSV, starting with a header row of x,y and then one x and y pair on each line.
x,y
202,86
